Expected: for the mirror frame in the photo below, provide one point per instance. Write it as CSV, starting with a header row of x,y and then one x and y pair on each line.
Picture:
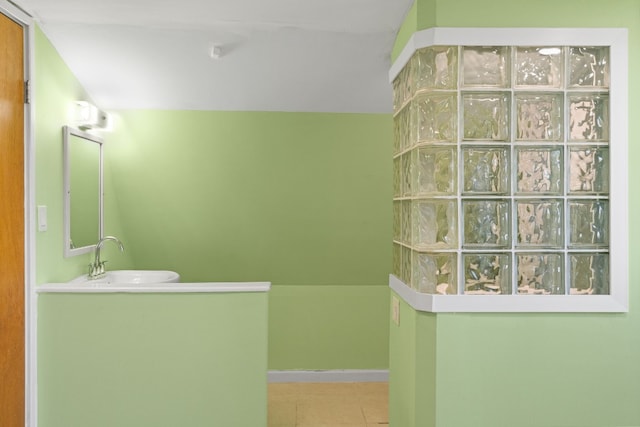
x,y
68,132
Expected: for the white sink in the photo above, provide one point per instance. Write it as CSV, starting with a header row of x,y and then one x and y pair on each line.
x,y
131,277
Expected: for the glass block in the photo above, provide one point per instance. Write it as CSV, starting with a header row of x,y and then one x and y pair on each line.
x,y
405,225
539,117
403,133
407,83
436,67
588,223
540,223
486,223
397,220
588,117
589,66
540,274
487,274
435,273
539,170
398,133
486,116
486,169
402,87
588,169
405,265
398,95
396,263
539,66
436,117
410,126
485,66
407,167
589,274
397,177
435,170
435,224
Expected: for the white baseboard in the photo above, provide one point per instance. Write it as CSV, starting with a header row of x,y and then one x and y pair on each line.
x,y
346,375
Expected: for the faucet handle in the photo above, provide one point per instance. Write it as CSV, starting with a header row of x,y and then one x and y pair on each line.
x,y
94,270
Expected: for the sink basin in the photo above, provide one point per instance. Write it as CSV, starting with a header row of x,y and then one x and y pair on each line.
x,y
131,277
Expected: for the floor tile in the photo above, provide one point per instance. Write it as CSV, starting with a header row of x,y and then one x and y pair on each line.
x,y
332,413
374,389
329,389
286,390
328,404
282,413
376,411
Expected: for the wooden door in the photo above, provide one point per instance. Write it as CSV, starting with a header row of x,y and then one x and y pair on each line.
x,y
12,227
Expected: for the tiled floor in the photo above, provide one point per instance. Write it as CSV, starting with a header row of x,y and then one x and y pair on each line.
x,y
328,404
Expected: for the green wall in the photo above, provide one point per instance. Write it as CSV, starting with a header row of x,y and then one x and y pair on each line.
x,y
297,199
152,360
517,370
55,89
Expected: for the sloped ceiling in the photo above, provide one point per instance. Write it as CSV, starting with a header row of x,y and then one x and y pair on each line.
x,y
235,55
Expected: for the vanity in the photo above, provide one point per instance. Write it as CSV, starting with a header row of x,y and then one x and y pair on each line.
x,y
152,354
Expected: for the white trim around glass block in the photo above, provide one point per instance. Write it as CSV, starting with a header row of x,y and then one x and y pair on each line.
x,y
616,40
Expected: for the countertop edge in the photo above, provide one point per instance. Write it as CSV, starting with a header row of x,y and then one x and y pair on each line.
x,y
198,287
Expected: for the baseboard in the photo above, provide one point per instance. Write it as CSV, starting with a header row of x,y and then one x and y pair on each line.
x,y
346,375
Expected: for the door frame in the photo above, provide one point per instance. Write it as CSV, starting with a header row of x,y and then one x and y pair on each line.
x,y
22,18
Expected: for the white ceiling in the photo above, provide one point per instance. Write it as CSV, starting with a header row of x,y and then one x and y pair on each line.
x,y
275,55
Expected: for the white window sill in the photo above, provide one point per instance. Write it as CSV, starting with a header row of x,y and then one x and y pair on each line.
x,y
508,303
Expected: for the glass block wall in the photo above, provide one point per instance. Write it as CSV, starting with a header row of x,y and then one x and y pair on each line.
x,y
501,170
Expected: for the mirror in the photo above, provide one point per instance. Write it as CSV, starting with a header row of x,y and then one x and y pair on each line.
x,y
83,214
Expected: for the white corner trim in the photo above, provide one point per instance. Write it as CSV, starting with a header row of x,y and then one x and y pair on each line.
x,y
506,303
320,376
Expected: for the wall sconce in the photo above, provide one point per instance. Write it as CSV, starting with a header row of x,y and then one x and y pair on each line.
x,y
88,116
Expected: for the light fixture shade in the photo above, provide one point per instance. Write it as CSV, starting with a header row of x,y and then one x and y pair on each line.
x,y
88,116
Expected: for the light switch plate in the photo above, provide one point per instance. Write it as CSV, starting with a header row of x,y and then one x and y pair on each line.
x,y
42,218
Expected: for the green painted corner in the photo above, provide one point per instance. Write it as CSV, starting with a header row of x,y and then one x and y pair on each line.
x,y
427,362
412,373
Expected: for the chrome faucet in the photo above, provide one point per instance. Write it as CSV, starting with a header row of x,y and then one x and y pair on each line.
x,y
96,269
